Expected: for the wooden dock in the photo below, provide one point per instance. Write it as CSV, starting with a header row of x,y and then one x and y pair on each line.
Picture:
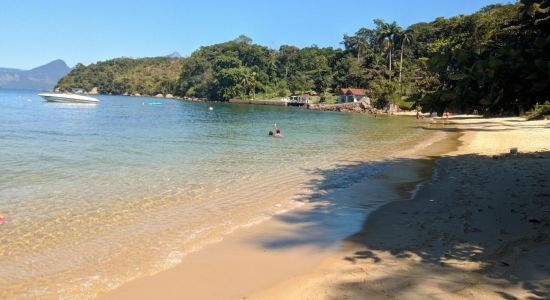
x,y
300,103
259,102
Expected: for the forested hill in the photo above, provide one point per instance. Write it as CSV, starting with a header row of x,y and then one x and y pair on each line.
x,y
495,60
126,75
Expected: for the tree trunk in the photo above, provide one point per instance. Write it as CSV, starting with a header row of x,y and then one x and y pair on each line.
x,y
254,91
401,69
390,62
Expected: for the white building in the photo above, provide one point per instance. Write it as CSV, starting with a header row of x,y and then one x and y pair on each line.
x,y
351,95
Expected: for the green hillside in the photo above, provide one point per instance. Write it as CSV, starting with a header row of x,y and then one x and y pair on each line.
x,y
126,75
493,61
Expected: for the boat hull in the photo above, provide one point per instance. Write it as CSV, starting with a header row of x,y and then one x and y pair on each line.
x,y
66,98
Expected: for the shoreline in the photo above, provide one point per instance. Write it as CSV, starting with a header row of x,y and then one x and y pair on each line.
x,y
289,258
352,107
299,239
477,229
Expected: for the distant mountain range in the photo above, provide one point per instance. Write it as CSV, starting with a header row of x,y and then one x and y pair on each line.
x,y
40,78
174,54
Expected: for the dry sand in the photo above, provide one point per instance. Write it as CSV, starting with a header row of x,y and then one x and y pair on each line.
x,y
479,229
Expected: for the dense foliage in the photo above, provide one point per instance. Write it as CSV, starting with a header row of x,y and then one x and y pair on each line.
x,y
240,69
493,61
501,65
126,75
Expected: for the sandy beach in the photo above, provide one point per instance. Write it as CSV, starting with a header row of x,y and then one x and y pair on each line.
x,y
479,228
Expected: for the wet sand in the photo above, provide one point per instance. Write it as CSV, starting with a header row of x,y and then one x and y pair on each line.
x,y
480,229
258,257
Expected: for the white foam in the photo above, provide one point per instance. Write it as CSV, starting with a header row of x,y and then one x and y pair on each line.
x,y
296,203
174,258
89,282
252,222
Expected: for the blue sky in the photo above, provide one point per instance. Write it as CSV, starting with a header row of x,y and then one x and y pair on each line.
x,y
35,32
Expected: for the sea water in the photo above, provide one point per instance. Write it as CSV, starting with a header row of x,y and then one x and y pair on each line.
x,y
96,195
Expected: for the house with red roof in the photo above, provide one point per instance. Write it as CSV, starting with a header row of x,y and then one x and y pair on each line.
x,y
351,95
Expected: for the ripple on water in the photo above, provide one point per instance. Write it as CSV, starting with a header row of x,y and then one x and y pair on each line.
x,y
90,192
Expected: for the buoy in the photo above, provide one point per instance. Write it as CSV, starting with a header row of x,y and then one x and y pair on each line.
x,y
210,108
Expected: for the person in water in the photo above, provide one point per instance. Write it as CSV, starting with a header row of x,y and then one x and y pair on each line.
x,y
277,131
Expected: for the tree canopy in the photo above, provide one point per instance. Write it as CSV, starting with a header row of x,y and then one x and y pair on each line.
x,y
501,64
118,76
495,60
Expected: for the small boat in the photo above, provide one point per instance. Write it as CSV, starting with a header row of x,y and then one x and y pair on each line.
x,y
67,98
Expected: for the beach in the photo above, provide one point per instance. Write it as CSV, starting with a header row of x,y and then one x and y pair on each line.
x,y
92,198
478,230
403,154
458,219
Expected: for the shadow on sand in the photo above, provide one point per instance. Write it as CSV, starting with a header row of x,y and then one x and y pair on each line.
x,y
339,205
492,213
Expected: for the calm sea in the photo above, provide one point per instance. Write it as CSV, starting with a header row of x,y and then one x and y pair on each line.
x,y
89,190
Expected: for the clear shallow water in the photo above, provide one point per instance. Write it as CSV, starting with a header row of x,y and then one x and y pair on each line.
x,y
96,195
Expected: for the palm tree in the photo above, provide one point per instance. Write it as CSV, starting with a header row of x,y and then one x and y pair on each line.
x,y
245,81
359,42
360,45
352,43
253,82
405,38
362,38
387,34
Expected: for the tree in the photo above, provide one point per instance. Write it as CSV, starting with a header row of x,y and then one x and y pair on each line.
x,y
506,75
386,35
495,60
364,37
358,43
405,38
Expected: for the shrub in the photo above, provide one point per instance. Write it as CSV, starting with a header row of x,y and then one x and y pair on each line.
x,y
540,111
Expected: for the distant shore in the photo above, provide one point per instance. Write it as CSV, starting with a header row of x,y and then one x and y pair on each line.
x,y
353,107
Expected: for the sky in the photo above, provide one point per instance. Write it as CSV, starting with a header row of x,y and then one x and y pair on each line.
x,y
34,32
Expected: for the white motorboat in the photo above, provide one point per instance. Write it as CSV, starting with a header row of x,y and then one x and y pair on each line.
x,y
67,98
